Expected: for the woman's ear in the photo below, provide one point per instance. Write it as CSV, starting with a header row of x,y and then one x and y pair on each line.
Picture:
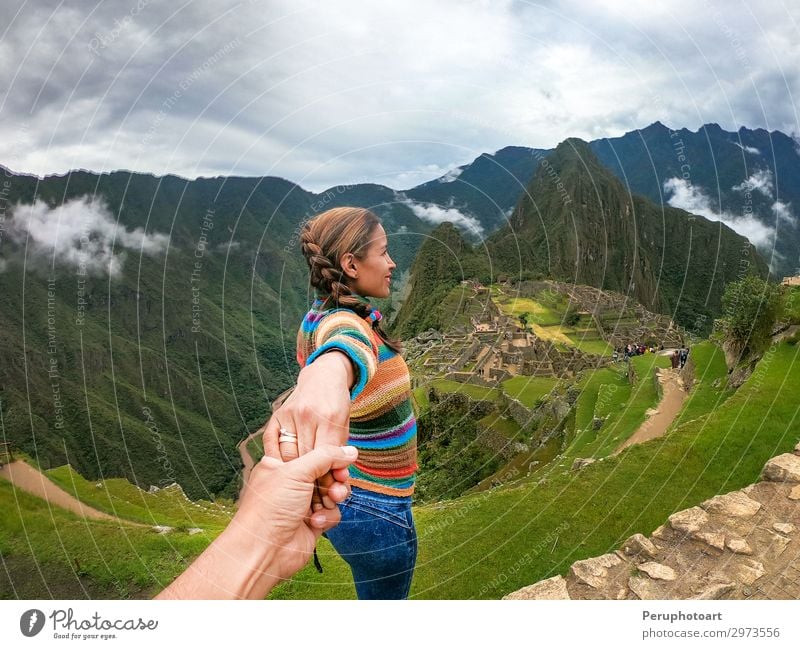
x,y
349,265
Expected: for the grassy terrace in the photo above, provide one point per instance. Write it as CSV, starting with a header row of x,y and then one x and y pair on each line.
x,y
529,389
120,498
607,394
52,553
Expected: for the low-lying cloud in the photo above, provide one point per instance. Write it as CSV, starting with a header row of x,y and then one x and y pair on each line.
x,y
82,233
435,214
692,199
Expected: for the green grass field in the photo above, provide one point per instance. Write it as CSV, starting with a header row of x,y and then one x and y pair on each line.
x,y
491,543
529,389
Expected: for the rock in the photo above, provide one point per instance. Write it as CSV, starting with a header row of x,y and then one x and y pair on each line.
x,y
98,485
593,572
162,529
784,468
715,591
778,542
661,533
645,588
749,571
738,545
638,544
581,462
784,528
688,520
195,530
714,539
553,588
794,494
735,503
658,571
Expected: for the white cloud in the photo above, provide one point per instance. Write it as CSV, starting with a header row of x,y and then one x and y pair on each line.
x,y
82,233
783,211
435,214
748,149
451,175
330,93
760,181
692,199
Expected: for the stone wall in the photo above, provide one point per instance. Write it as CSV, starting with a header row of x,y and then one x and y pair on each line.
x,y
741,545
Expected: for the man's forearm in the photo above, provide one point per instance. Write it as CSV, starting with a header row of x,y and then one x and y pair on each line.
x,y
238,564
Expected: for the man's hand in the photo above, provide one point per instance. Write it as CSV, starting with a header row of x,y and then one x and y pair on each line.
x,y
274,531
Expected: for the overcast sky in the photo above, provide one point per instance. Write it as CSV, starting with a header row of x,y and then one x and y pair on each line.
x,y
397,93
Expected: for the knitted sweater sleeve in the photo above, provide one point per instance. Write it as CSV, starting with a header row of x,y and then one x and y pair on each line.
x,y
344,331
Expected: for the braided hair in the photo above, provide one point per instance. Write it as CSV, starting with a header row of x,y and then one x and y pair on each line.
x,y
324,241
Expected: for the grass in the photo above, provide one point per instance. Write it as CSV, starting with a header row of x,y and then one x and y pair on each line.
x,y
528,390
479,546
49,552
709,366
120,498
477,392
506,426
491,543
615,389
594,346
608,395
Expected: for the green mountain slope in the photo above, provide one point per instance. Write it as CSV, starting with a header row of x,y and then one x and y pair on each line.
x,y
578,223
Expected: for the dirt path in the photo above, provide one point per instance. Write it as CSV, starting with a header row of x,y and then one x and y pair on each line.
x,y
247,459
664,414
27,478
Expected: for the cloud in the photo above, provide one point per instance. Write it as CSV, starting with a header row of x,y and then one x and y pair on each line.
x,y
760,181
436,214
82,233
395,93
783,211
748,149
692,199
451,175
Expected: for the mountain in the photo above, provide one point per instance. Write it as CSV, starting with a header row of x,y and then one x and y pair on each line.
x,y
578,223
444,259
750,178
147,322
486,189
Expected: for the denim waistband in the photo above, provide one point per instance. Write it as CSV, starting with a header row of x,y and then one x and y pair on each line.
x,y
366,494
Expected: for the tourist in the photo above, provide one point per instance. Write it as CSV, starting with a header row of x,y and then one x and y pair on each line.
x,y
355,387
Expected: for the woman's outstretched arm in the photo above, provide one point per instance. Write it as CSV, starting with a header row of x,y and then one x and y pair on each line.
x,y
317,411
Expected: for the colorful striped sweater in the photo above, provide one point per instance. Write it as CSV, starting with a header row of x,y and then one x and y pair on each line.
x,y
382,422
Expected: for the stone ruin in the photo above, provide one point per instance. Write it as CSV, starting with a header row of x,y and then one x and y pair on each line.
x,y
741,545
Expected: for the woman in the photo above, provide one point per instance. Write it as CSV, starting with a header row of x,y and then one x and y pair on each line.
x,y
354,388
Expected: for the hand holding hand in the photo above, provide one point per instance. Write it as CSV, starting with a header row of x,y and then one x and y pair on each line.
x,y
316,413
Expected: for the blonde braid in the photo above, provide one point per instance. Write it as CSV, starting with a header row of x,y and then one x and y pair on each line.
x,y
327,277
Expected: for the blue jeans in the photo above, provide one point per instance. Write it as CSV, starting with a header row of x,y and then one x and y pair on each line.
x,y
378,540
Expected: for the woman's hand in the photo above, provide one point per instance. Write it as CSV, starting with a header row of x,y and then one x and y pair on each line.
x,y
318,412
